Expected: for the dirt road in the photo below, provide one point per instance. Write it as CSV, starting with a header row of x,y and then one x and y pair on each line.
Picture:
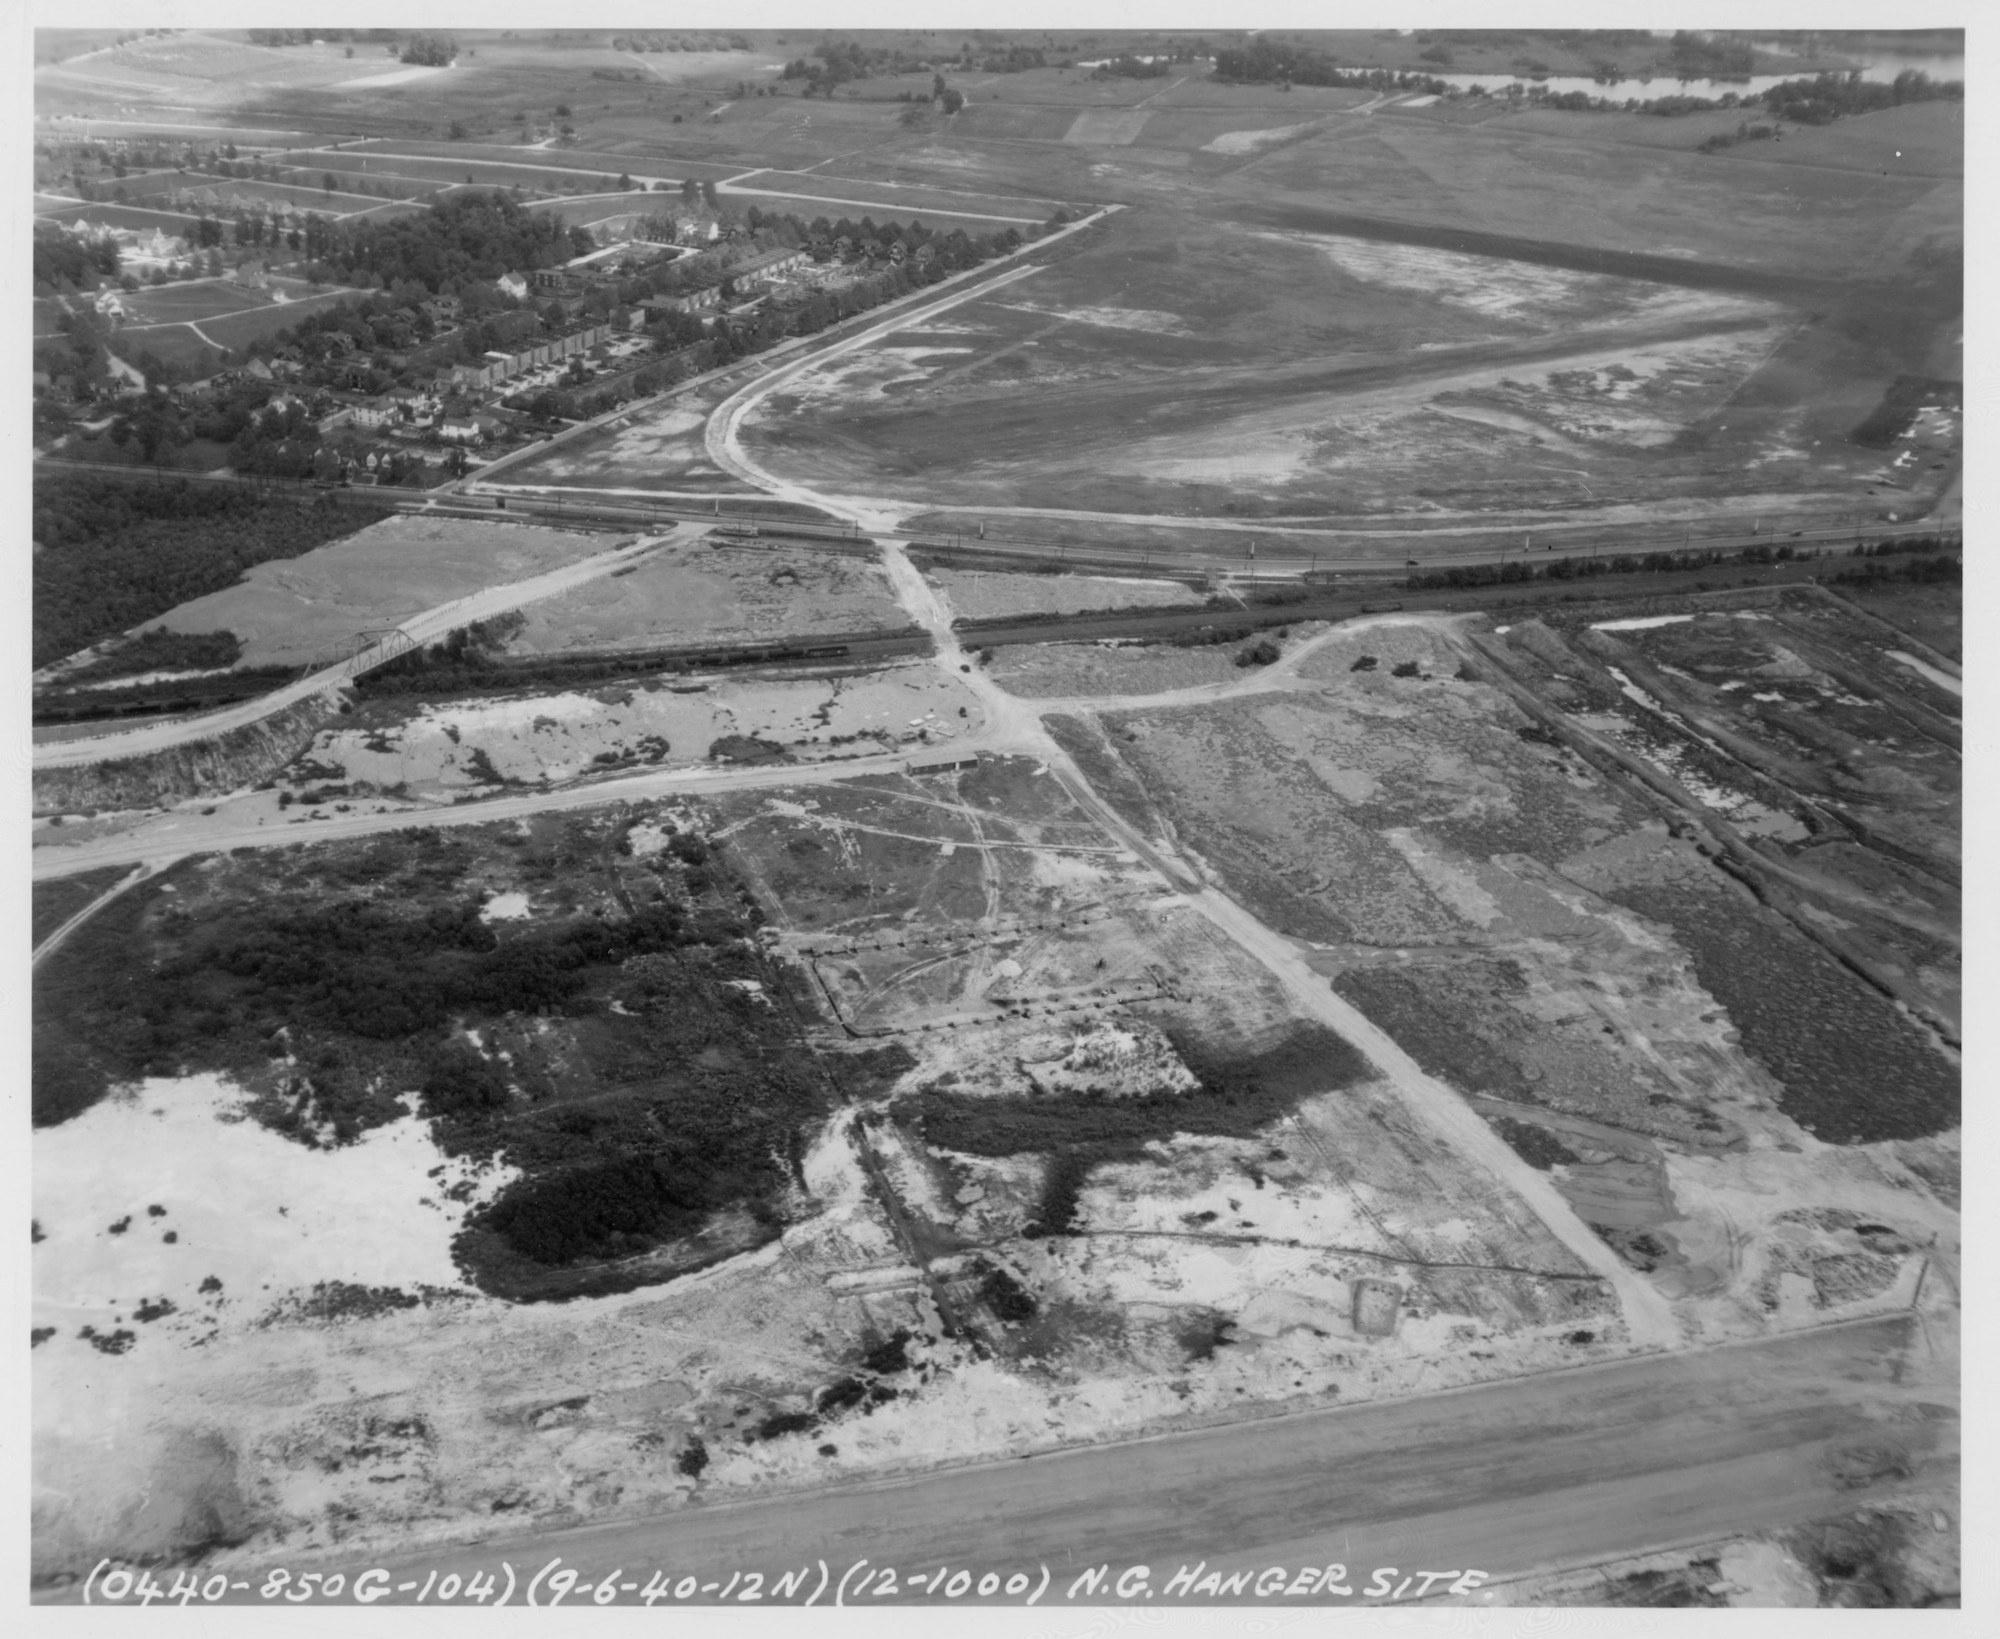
x,y
1564,1468
1301,214
1648,1316
419,629
182,833
131,879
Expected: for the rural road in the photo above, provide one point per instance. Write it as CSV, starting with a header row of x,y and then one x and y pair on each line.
x,y
1560,1469
182,833
1648,1318
419,629
131,879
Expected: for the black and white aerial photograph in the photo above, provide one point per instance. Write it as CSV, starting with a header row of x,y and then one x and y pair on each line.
x,y
1117,819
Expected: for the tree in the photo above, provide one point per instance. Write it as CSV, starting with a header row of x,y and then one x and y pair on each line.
x,y
430,50
708,195
457,132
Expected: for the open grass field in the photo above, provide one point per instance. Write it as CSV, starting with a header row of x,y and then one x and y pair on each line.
x,y
137,217
203,70
193,340
882,208
436,171
1179,365
287,613
1918,140
900,198
1574,185
227,191
588,209
499,84
1349,314
190,299
153,132
176,344
657,151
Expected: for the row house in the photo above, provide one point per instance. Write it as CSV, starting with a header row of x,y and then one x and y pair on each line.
x,y
767,264
692,301
496,368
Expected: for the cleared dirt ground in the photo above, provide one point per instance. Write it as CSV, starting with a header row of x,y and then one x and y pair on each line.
x,y
974,594
1548,937
708,591
470,747
1287,364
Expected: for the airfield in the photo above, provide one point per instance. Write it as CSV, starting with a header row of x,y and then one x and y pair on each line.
x,y
1259,1020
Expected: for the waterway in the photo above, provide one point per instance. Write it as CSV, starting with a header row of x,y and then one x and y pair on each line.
x,y
1883,66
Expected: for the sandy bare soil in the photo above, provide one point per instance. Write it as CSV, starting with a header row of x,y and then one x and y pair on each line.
x,y
1059,670
552,739
709,591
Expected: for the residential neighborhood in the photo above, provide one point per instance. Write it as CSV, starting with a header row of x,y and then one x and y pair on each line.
x,y
444,373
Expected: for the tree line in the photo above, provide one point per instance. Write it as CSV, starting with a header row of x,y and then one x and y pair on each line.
x,y
111,555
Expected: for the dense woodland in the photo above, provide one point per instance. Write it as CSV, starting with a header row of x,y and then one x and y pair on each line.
x,y
61,259
474,236
341,984
1828,97
108,556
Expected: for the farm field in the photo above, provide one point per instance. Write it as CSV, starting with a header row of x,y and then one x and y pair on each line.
x,y
485,172
138,217
290,611
611,94
70,127
657,155
197,70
